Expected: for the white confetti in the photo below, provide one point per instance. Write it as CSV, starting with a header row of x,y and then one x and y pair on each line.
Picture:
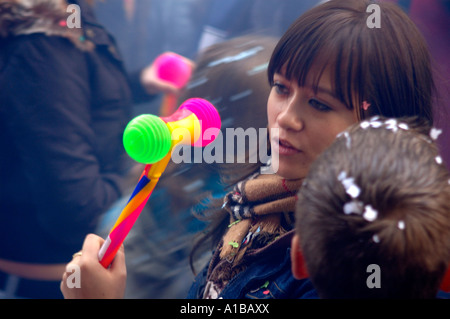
x,y
376,124
376,239
342,175
438,159
370,214
350,187
353,207
401,224
403,126
391,122
348,140
434,133
364,125
391,125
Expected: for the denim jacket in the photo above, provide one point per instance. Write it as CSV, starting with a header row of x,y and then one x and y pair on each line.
x,y
268,276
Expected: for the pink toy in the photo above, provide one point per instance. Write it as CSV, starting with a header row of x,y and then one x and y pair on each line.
x,y
173,68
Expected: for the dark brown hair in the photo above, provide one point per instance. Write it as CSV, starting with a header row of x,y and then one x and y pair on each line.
x,y
404,182
388,67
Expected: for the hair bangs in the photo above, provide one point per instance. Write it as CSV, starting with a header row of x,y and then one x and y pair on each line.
x,y
331,46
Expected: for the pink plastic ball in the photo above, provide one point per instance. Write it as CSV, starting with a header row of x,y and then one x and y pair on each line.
x,y
173,68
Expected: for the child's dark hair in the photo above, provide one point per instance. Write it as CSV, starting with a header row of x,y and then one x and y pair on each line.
x,y
388,67
379,195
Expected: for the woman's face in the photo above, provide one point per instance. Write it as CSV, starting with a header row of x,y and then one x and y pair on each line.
x,y
305,123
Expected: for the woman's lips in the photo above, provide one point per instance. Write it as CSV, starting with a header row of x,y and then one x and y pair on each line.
x,y
285,148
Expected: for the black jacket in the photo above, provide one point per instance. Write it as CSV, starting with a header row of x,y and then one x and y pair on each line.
x,y
63,108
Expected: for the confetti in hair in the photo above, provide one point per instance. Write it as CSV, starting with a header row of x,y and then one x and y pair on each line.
x,y
391,125
370,214
348,142
376,239
351,188
353,207
365,124
434,133
376,124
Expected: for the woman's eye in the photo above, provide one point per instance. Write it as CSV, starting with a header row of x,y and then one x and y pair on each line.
x,y
319,105
280,88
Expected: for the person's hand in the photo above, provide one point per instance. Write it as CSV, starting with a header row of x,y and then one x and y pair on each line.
x,y
154,85
94,281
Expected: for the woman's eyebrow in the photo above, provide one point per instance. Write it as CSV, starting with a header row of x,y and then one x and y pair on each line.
x,y
279,74
316,89
327,91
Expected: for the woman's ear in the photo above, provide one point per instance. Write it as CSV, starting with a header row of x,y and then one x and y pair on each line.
x,y
297,261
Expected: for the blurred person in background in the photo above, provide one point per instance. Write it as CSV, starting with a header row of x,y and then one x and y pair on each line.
x,y
144,29
232,76
228,19
65,99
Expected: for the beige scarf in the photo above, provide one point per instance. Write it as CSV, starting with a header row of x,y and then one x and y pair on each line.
x,y
256,207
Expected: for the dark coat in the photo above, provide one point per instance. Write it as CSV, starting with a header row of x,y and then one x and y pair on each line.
x,y
64,102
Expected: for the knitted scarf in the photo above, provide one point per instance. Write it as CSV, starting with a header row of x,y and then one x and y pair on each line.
x,y
257,208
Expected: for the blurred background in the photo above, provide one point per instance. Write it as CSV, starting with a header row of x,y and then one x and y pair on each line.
x,y
144,29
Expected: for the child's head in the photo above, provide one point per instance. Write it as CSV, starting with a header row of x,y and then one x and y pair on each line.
x,y
379,195
330,70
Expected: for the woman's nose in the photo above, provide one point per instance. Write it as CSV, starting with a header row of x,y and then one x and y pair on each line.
x,y
290,117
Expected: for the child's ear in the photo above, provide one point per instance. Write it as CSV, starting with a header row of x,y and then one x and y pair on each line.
x,y
297,261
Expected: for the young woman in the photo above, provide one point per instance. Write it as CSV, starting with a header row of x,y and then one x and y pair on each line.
x,y
328,71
